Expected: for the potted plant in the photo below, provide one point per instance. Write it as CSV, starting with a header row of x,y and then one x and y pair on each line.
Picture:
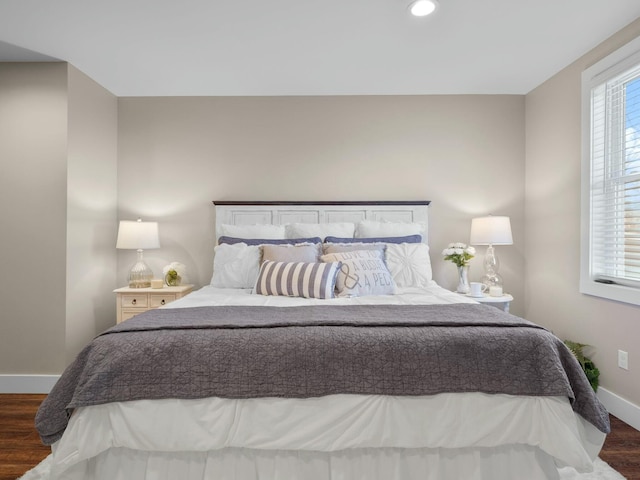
x,y
589,368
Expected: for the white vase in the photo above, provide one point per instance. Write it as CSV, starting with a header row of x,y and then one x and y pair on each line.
x,y
463,279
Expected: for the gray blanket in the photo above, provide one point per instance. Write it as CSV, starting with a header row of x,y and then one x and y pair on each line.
x,y
244,352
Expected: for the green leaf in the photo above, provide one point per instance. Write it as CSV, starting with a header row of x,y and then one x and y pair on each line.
x,y
591,371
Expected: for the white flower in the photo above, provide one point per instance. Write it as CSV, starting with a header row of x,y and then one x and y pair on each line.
x,y
459,253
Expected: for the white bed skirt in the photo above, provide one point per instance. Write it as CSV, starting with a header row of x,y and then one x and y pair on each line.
x,y
370,464
457,436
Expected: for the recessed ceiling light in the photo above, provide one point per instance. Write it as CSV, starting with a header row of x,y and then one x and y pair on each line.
x,y
422,8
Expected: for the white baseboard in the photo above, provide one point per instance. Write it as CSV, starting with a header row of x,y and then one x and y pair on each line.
x,y
619,407
27,383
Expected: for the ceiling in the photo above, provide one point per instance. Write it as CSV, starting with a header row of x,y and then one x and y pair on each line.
x,y
302,47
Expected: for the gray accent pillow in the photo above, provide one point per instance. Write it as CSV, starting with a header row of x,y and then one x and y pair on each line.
x,y
352,247
267,241
252,231
404,239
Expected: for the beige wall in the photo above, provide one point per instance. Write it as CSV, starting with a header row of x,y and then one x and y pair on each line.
x,y
58,147
553,156
470,155
33,182
464,153
91,210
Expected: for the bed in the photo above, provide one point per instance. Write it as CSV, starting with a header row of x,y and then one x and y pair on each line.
x,y
322,349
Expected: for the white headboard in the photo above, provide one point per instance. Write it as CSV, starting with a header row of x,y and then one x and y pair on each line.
x,y
281,213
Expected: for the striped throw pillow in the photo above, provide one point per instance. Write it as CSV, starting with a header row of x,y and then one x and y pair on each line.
x,y
297,279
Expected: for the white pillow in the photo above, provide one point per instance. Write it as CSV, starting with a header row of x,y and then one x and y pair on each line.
x,y
409,264
363,272
235,266
371,228
322,230
266,231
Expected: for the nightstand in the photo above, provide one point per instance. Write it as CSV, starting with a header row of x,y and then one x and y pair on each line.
x,y
502,302
132,301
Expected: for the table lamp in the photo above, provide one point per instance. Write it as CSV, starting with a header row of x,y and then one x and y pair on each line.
x,y
138,236
491,231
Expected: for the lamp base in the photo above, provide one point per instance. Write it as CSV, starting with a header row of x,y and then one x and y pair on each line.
x,y
492,280
140,274
491,265
139,283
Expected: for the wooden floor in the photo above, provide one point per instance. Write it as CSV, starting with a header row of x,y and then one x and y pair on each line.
x,y
621,449
21,450
20,446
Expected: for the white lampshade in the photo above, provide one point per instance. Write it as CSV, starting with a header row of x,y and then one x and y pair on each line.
x,y
491,230
138,235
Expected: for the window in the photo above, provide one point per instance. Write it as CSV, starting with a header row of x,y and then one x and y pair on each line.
x,y
610,251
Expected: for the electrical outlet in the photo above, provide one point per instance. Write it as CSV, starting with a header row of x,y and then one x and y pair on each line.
x,y
623,359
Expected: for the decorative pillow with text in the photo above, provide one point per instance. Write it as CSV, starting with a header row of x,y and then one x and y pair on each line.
x,y
363,272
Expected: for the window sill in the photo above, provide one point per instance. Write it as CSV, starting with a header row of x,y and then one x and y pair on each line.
x,y
619,293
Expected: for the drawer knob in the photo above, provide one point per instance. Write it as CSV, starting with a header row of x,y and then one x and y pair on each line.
x,y
133,302
162,302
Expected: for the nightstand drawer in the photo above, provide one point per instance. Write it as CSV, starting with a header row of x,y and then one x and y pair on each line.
x,y
135,300
160,300
127,314
132,301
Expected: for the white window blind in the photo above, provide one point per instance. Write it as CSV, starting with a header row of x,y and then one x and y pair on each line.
x,y
615,179
611,177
